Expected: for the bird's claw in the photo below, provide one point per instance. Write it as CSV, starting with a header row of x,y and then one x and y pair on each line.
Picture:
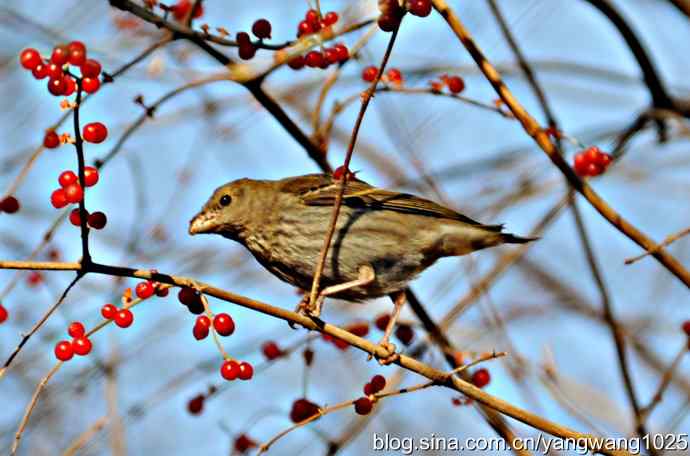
x,y
391,355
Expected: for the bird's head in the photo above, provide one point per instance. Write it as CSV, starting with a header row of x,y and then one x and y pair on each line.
x,y
229,210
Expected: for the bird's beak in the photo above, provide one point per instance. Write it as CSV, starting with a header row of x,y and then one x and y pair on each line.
x,y
200,224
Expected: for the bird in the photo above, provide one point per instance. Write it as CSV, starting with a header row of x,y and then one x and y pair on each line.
x,y
383,239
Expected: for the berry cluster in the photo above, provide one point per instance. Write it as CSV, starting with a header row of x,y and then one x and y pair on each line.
x,y
364,405
392,13
321,59
303,409
455,84
313,22
393,76
61,81
80,344
232,370
122,317
591,162
223,324
245,47
9,205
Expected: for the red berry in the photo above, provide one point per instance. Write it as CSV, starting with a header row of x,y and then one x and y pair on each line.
x,y
59,56
30,58
370,73
243,38
394,76
580,164
378,383
70,86
90,85
144,290
181,9
314,59
81,346
58,198
271,350
594,170
304,28
90,176
296,63
196,404
74,193
124,318
108,311
203,320
455,84
330,18
56,86
67,178
77,57
223,324
40,71
243,443
421,8
51,140
200,331
312,17
360,329
230,370
64,351
388,22
405,334
76,329
97,220
368,389
262,29
247,51
481,378
343,52
302,409
75,217
592,154
685,327
54,71
246,371
9,205
3,314
76,46
189,296
34,278
363,406
90,68
331,55
162,292
95,132
382,321
604,160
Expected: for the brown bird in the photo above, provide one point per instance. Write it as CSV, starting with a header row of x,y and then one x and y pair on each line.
x,y
383,239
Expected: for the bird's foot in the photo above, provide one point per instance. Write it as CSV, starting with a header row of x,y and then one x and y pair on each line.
x,y
389,357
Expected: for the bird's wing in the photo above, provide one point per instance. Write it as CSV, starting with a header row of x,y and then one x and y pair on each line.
x,y
321,190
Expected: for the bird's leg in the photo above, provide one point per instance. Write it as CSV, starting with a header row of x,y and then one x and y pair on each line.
x,y
398,301
366,276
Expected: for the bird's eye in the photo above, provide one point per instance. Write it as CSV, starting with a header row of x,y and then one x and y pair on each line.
x,y
225,200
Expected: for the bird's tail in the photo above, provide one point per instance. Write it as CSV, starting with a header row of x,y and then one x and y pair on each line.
x,y
508,238
460,239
